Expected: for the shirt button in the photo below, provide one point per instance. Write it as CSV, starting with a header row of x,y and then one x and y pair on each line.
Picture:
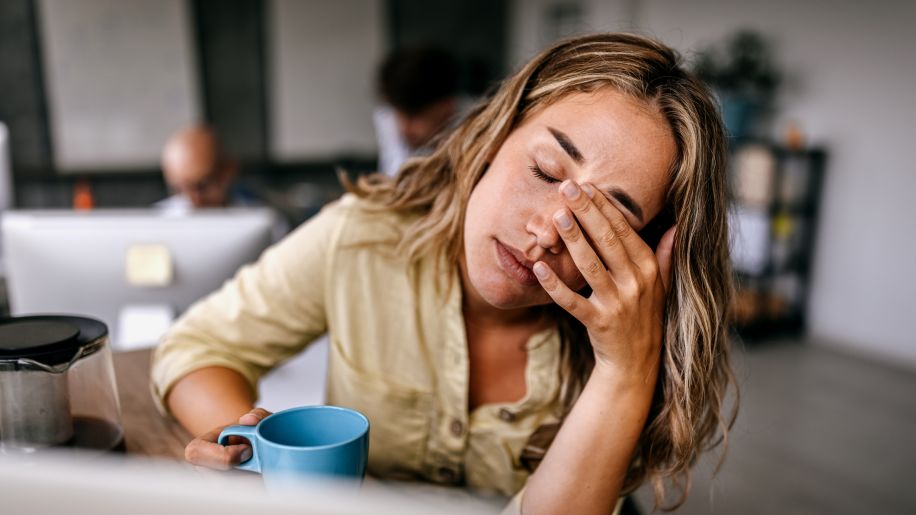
x,y
456,427
506,415
447,475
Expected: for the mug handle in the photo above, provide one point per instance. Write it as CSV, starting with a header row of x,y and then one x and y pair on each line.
x,y
249,432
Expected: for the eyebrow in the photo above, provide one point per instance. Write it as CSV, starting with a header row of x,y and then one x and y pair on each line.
x,y
567,145
625,200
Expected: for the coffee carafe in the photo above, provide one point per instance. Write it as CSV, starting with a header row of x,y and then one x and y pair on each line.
x,y
57,385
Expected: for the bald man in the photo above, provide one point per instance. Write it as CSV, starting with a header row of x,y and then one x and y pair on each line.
x,y
197,172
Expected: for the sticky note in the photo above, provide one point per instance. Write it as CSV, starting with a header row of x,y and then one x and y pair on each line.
x,y
149,265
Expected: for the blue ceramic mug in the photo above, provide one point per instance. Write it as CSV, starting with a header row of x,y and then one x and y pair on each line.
x,y
309,442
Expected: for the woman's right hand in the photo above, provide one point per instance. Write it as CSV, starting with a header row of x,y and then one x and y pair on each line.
x,y
204,450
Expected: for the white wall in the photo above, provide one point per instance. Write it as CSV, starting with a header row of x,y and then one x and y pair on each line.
x,y
852,74
323,56
120,78
529,29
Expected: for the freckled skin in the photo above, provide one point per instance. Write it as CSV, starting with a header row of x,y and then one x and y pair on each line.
x,y
625,143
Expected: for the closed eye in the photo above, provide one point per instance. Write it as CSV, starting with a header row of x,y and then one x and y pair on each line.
x,y
537,172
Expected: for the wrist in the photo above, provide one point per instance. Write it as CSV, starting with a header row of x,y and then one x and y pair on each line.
x,y
636,379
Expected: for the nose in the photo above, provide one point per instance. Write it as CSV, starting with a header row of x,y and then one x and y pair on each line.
x,y
541,226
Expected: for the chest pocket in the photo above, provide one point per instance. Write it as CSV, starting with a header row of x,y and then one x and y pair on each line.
x,y
399,417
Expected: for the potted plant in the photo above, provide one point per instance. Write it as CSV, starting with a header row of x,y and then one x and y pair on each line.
x,y
740,70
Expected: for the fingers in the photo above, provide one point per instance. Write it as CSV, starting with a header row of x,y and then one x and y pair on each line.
x,y
205,452
253,417
635,247
610,235
641,263
663,254
600,228
575,304
587,261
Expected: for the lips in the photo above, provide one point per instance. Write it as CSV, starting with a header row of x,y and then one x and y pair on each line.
x,y
515,265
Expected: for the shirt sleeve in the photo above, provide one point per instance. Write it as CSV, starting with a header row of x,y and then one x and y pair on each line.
x,y
393,151
264,315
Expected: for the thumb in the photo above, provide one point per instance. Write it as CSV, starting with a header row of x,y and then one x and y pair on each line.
x,y
253,417
663,254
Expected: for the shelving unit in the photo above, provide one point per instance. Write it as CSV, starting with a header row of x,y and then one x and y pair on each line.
x,y
775,202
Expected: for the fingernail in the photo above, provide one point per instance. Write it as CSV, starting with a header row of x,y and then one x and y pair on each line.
x,y
563,220
588,190
570,190
540,270
246,455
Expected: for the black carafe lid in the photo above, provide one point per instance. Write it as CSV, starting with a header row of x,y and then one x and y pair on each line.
x,y
47,339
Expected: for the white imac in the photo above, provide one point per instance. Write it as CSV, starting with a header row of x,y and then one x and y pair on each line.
x,y
133,269
6,170
6,177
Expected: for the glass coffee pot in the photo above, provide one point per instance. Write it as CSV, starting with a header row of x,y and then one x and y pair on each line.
x,y
57,386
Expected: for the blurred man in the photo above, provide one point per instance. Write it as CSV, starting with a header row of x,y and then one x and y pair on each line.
x,y
419,88
198,173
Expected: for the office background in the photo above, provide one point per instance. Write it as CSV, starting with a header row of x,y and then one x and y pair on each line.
x,y
91,88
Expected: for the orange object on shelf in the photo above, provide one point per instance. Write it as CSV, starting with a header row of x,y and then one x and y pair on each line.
x,y
795,138
745,306
82,196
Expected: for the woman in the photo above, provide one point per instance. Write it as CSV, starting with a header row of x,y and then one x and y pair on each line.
x,y
506,311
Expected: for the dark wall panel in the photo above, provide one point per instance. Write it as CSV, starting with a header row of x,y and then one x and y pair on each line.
x,y
230,40
475,31
22,100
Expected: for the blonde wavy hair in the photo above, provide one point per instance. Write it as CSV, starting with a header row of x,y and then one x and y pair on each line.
x,y
688,413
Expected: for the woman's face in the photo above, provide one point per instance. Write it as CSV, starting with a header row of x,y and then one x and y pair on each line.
x,y
622,146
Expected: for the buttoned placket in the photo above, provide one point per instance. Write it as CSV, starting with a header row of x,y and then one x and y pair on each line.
x,y
506,416
447,453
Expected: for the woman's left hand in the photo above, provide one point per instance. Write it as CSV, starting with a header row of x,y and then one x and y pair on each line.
x,y
629,283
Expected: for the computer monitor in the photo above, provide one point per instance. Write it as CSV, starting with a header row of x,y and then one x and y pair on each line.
x,y
105,263
6,174
6,170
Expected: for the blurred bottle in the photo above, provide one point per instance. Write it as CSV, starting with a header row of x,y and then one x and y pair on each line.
x,y
82,195
783,229
753,174
796,178
795,137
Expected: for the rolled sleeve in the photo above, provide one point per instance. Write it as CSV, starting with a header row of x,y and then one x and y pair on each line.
x,y
271,310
